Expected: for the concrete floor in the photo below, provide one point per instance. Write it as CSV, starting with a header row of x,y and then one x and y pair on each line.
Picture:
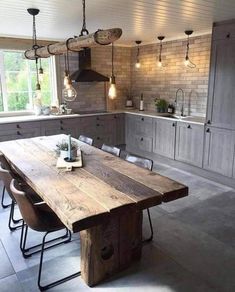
x,y
192,250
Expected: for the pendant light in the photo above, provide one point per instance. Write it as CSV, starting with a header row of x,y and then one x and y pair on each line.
x,y
69,92
34,12
112,87
187,61
137,63
160,65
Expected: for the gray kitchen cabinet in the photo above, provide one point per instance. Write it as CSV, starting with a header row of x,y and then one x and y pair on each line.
x,y
189,143
164,137
22,130
108,129
139,132
219,151
59,126
221,95
119,129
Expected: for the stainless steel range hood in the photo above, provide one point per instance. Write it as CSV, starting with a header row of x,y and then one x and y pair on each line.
x,y
85,73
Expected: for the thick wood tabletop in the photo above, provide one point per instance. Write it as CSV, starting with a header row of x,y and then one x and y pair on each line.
x,y
87,196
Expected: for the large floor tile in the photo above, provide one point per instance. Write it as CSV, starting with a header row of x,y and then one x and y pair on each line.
x,y
11,284
6,268
198,252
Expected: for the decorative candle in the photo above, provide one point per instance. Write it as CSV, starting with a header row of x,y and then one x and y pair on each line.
x,y
69,147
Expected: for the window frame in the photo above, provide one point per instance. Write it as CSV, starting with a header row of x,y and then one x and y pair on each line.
x,y
3,86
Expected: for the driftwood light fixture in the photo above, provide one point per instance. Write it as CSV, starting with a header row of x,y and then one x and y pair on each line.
x,y
100,37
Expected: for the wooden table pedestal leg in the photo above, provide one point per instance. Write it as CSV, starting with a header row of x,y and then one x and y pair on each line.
x,y
111,247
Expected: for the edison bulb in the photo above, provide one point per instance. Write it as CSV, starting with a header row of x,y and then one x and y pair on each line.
x,y
137,65
112,91
159,63
186,62
69,93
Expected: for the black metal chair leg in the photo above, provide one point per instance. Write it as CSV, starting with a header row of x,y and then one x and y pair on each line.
x,y
15,221
151,229
28,252
11,219
2,200
53,284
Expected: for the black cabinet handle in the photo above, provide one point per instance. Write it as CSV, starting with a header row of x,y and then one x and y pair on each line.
x,y
97,125
18,133
228,35
208,130
142,139
142,119
98,138
173,125
61,121
97,118
209,122
61,128
18,126
189,127
115,117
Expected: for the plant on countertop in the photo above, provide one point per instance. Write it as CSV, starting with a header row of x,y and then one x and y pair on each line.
x,y
161,105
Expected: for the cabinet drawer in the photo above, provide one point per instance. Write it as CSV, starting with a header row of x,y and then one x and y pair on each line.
x,y
19,126
7,135
139,125
222,32
143,143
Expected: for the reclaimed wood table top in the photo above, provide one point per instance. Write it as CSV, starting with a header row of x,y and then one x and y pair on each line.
x,y
87,196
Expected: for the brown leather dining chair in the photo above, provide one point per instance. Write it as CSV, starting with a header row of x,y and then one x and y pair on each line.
x,y
86,140
6,175
148,164
41,218
111,149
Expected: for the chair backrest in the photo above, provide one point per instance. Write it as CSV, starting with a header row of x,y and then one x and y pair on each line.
x,y
86,140
142,162
29,212
6,176
111,149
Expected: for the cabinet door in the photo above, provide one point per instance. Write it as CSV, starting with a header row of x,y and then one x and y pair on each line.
x,y
129,130
164,137
189,143
56,127
219,150
119,129
143,143
221,97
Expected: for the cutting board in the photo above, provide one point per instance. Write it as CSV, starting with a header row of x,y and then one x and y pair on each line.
x,y
68,166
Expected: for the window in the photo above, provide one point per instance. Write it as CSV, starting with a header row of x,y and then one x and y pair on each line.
x,y
18,81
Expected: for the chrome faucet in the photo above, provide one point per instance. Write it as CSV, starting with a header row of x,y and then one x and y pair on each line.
x,y
176,100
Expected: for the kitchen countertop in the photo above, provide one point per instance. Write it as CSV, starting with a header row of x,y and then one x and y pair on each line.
x,y
31,118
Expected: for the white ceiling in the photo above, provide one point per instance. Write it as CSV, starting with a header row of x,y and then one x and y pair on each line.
x,y
139,19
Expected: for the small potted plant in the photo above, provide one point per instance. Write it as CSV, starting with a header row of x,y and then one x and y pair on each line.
x,y
62,149
161,105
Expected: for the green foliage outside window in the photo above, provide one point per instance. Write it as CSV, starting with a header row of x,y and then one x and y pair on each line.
x,y
20,79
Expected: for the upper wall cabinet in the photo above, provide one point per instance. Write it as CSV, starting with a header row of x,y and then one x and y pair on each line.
x,y
221,97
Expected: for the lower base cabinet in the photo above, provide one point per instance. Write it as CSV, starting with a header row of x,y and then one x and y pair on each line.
x,y
189,143
219,151
164,137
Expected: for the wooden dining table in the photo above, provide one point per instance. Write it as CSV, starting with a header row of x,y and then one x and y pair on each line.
x,y
104,200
